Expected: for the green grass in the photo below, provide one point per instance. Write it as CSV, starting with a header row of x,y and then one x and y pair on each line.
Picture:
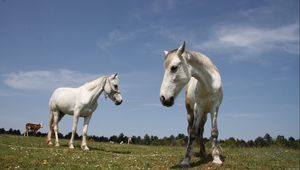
x,y
17,152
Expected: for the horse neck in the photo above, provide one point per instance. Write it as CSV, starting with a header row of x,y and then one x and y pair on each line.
x,y
202,68
96,87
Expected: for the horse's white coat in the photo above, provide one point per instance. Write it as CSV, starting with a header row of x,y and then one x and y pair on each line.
x,y
80,102
204,94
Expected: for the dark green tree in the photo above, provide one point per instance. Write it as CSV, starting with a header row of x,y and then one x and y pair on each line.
x,y
147,140
268,139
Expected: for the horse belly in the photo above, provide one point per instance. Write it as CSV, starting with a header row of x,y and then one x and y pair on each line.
x,y
64,100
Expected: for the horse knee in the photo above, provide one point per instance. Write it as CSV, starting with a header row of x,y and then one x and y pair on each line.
x,y
55,128
214,133
192,135
84,134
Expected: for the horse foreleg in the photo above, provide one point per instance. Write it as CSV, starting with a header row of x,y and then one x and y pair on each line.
x,y
200,133
74,128
214,137
84,132
192,135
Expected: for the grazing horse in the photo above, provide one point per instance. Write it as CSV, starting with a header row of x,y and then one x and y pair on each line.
x,y
32,127
81,102
204,95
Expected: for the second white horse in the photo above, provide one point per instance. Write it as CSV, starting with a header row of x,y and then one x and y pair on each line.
x,y
80,102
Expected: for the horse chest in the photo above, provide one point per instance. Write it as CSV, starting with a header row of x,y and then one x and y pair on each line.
x,y
206,98
88,109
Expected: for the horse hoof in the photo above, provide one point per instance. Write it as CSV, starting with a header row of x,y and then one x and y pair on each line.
x,y
85,148
57,145
184,164
71,147
217,161
49,143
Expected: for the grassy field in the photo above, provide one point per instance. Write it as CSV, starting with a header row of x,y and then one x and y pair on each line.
x,y
18,152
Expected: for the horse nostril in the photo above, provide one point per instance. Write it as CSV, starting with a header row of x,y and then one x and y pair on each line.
x,y
162,99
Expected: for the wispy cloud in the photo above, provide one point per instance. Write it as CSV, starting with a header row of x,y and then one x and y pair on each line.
x,y
242,42
46,79
117,36
239,42
112,38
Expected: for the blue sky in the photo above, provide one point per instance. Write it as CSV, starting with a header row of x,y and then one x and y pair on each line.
x,y
48,44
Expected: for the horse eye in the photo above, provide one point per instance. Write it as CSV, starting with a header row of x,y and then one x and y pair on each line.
x,y
116,86
174,69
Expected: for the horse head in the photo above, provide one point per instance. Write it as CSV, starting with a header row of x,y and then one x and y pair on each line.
x,y
177,75
111,88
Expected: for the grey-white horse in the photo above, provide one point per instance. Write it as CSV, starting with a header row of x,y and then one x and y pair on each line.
x,y
204,94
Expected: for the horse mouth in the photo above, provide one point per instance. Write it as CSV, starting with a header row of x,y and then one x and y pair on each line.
x,y
118,102
167,102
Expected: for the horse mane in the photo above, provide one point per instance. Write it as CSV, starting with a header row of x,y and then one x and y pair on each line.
x,y
94,83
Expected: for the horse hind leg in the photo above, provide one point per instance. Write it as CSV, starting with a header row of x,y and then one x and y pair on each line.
x,y
84,132
214,137
51,126
74,128
202,152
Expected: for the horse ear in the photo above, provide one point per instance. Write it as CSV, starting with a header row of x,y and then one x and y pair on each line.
x,y
166,52
181,49
115,75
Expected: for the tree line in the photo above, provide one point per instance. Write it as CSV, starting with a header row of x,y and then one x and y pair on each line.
x,y
179,140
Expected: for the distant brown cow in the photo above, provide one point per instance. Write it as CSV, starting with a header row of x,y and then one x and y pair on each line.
x,y
32,127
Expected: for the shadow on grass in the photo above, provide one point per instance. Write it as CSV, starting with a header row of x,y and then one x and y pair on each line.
x,y
92,148
207,162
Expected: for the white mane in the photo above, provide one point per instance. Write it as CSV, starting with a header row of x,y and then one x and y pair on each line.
x,y
94,83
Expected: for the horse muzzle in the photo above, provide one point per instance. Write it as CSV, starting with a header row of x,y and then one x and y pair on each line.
x,y
118,102
167,102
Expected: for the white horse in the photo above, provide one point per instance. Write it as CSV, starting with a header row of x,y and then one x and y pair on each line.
x,y
204,94
80,102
